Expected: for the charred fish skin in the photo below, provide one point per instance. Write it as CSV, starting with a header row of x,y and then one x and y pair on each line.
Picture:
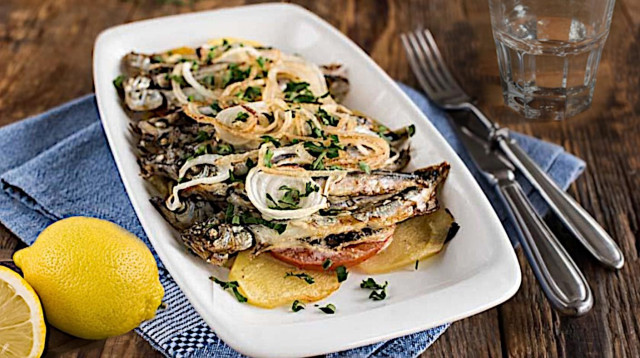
x,y
214,241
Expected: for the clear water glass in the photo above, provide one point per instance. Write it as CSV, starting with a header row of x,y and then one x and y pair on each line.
x,y
548,53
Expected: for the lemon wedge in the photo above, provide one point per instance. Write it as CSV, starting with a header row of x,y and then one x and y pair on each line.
x,y
22,328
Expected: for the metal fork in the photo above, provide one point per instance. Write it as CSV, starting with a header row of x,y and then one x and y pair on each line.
x,y
439,84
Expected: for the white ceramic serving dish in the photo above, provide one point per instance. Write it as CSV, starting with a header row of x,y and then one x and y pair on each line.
x,y
477,271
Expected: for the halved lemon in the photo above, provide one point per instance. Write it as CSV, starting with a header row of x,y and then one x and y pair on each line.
x,y
22,328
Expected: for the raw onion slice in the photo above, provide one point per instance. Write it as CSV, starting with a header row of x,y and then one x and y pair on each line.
x,y
188,77
173,202
259,184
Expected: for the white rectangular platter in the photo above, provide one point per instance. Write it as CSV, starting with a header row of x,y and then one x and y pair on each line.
x,y
477,271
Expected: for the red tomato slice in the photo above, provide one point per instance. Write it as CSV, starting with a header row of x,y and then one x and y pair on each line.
x,y
312,260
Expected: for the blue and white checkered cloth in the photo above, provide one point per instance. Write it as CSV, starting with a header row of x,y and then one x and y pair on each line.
x,y
58,164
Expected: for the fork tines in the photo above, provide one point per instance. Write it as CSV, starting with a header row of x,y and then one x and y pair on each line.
x,y
431,71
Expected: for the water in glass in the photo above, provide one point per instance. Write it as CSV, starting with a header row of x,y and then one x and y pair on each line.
x,y
548,56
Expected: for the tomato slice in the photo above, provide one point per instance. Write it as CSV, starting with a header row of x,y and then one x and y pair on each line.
x,y
312,260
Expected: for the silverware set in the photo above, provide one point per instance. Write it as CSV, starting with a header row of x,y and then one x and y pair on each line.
x,y
498,157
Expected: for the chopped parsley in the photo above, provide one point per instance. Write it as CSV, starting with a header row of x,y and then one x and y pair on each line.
x,y
234,74
303,276
178,79
224,149
341,273
318,163
370,283
411,130
327,264
315,131
291,198
326,118
321,151
118,82
190,98
364,167
251,94
231,285
328,309
202,136
277,226
241,116
379,292
267,158
229,213
453,230
270,139
215,108
299,92
157,58
297,306
261,61
209,81
378,295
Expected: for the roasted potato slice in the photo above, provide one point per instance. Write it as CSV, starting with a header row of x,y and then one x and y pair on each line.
x,y
262,279
414,239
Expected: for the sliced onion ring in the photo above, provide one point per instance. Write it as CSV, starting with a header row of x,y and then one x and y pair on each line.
x,y
259,184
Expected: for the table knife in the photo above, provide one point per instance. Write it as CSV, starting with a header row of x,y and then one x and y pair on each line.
x,y
575,218
561,280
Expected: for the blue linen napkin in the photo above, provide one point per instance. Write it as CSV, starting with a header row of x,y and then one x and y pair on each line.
x,y
58,164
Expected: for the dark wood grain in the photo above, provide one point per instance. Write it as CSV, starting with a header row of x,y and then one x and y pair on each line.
x,y
45,60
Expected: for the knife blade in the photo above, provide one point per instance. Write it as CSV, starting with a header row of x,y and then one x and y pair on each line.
x,y
575,218
561,280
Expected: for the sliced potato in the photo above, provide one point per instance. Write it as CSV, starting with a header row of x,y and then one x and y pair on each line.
x,y
262,280
414,239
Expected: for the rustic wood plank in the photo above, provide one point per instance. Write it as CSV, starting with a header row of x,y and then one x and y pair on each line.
x,y
45,60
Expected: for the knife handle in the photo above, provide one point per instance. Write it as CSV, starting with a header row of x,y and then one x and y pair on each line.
x,y
560,278
582,225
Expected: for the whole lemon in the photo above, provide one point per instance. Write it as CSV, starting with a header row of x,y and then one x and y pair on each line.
x,y
94,278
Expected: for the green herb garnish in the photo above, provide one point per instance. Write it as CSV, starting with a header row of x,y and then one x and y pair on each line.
x,y
370,283
327,119
178,79
228,214
261,60
224,149
251,94
234,74
364,167
202,136
341,273
209,81
231,285
267,158
297,306
328,309
411,130
379,292
327,264
299,92
241,116
270,139
118,82
303,276
215,107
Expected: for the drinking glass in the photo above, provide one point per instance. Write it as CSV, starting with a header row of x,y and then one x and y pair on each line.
x,y
548,53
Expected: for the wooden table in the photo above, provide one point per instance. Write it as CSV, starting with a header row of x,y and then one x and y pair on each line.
x,y
45,60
